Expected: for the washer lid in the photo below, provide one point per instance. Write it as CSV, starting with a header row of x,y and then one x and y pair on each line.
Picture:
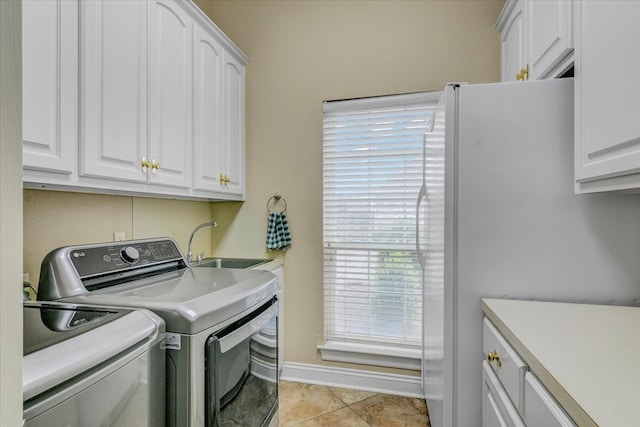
x,y
49,324
192,299
63,341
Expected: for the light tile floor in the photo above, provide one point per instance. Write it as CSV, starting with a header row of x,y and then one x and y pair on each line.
x,y
306,405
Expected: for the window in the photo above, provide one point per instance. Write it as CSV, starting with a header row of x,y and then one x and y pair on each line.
x,y
372,166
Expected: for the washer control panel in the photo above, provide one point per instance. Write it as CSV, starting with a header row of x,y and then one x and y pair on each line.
x,y
110,258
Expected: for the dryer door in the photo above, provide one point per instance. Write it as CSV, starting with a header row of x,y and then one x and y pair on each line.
x,y
241,370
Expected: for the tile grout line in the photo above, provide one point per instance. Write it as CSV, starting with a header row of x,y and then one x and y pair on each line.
x,y
324,413
330,412
349,405
346,405
358,415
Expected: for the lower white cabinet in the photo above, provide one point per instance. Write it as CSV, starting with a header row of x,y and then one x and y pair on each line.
x,y
511,394
541,409
491,414
505,363
497,405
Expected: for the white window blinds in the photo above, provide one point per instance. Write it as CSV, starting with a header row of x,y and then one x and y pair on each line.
x,y
372,166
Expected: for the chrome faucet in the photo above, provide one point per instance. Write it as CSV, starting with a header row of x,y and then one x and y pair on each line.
x,y
211,224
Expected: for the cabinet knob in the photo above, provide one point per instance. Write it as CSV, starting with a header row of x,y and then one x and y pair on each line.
x,y
145,164
523,74
154,166
224,180
493,356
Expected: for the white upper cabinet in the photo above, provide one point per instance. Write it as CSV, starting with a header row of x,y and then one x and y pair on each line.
x,y
512,41
607,129
219,118
137,92
549,36
50,85
170,94
207,111
113,91
233,126
140,97
536,38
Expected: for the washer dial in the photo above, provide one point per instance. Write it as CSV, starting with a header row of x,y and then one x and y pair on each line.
x,y
129,254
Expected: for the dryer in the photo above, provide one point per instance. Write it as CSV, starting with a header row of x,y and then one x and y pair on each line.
x,y
221,340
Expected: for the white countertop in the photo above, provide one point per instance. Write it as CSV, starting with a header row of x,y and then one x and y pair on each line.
x,y
272,265
588,356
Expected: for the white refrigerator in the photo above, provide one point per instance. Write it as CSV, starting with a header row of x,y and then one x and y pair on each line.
x,y
499,218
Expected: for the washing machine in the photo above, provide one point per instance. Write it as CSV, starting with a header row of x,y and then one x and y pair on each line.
x,y
87,366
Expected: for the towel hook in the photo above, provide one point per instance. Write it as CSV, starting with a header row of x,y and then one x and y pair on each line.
x,y
273,202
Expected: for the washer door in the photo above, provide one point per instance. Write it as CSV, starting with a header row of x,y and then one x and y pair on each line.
x,y
241,370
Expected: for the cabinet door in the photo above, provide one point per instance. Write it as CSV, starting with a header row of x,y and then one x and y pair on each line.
x,y
50,85
491,416
233,125
170,93
509,368
549,36
607,89
512,36
497,408
541,409
113,76
207,137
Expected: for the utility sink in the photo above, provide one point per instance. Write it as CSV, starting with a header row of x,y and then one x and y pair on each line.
x,y
230,262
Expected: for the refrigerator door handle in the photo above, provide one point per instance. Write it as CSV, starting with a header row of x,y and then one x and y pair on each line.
x,y
430,121
421,195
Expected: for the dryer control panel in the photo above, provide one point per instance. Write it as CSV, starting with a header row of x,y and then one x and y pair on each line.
x,y
90,261
76,270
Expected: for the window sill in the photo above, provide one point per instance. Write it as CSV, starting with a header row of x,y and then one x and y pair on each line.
x,y
387,355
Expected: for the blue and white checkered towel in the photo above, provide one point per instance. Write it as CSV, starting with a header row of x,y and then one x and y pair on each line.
x,y
278,235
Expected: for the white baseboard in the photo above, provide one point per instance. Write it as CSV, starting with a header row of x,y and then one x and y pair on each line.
x,y
378,382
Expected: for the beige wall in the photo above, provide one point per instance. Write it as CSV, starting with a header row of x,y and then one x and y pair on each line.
x,y
53,219
301,53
